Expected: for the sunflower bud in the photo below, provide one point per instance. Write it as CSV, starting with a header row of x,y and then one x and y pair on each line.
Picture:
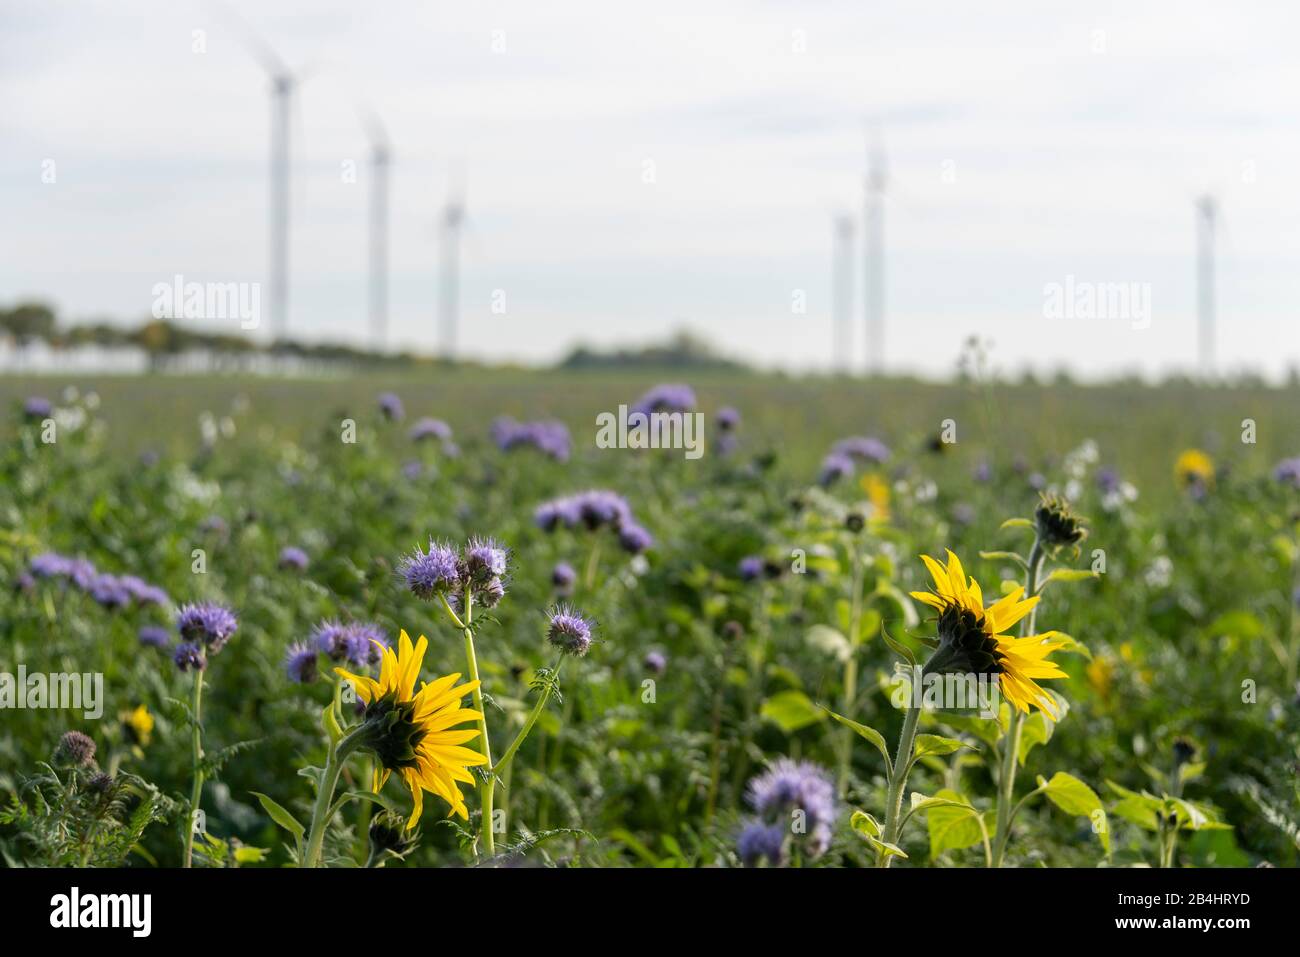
x,y
1056,523
388,834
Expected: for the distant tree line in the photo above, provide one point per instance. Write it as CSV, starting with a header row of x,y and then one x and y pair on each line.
x,y
682,350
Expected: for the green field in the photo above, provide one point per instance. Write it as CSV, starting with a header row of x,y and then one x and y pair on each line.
x,y
1177,721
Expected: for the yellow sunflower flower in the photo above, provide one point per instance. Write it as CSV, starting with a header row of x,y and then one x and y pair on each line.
x,y
972,637
414,733
1194,467
138,725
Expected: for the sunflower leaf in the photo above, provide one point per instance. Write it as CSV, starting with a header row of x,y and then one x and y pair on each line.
x,y
1074,797
871,734
281,816
791,710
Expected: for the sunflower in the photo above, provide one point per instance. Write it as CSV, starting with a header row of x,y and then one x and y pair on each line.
x,y
414,733
972,638
138,725
1194,468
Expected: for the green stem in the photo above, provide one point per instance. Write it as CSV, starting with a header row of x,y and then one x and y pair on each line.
x,y
196,758
1011,740
504,761
487,787
898,780
338,753
851,671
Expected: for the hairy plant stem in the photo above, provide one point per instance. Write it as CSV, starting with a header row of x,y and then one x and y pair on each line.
x,y
503,763
898,780
196,761
487,789
329,780
1011,740
851,670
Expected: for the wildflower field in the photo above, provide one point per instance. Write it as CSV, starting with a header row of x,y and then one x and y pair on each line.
x,y
426,621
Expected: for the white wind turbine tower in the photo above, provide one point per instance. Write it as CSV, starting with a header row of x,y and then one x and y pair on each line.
x,y
381,157
283,84
842,291
873,247
1207,215
449,228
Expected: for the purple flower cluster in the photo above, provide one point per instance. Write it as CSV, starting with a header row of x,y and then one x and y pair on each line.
x,y
727,418
300,663
788,786
546,436
843,456
293,558
569,631
356,642
207,624
592,510
1288,471
669,397
479,567
390,406
37,407
563,577
758,842
428,428
110,591
655,662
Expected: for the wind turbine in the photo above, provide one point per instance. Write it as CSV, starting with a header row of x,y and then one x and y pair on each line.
x,y
283,85
873,246
1207,215
381,156
842,290
449,225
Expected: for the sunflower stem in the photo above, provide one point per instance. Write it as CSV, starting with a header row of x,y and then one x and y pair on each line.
x,y
196,760
1011,740
338,753
898,783
851,669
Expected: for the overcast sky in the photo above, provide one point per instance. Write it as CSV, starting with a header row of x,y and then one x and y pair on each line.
x,y
1026,142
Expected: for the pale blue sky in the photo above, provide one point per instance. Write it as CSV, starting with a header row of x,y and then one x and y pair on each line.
x,y
1078,134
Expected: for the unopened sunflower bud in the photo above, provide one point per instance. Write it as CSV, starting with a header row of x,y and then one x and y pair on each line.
x,y
1056,523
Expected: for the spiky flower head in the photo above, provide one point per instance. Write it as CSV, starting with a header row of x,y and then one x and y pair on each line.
x,y
389,835
788,787
635,539
189,657
414,733
300,663
1057,524
432,573
483,559
973,639
75,750
206,623
761,842
391,406
569,631
563,577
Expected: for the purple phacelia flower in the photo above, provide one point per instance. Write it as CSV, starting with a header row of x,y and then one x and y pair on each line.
x,y
563,577
206,623
330,638
293,558
834,467
789,785
391,406
727,418
1108,480
863,447
655,662
154,636
635,539
427,428
412,469
750,568
37,407
1288,471
107,591
300,663
483,559
189,657
758,842
431,573
214,525
667,397
547,436
142,592
600,507
569,632
489,595
364,643
49,565
983,471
